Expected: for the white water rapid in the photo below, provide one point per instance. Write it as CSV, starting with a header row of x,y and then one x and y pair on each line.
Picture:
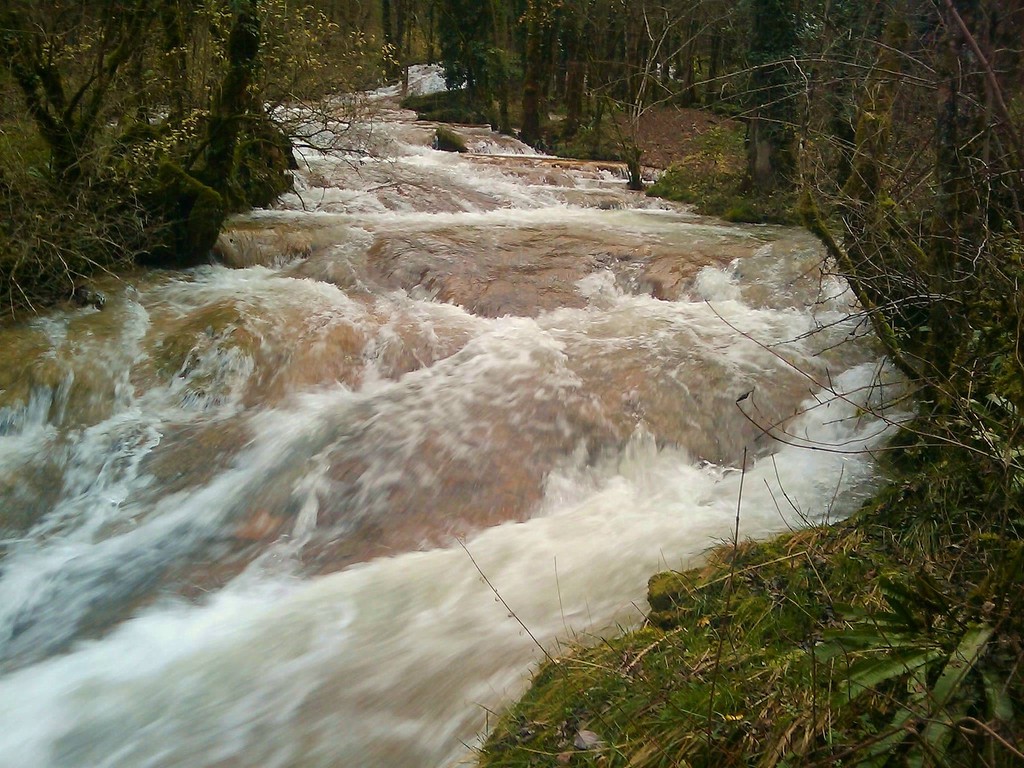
x,y
232,499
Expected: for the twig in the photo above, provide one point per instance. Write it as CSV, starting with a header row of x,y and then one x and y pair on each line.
x,y
501,599
728,603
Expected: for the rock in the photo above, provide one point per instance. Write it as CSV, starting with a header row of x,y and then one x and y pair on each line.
x,y
448,140
85,296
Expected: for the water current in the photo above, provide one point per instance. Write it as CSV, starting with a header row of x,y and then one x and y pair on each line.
x,y
247,510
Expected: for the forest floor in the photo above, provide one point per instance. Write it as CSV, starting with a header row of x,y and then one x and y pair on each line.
x,y
696,156
667,134
703,159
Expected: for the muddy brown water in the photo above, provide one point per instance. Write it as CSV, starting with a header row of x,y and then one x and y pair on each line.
x,y
233,498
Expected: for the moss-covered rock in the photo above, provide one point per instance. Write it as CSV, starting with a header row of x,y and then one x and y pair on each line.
x,y
448,140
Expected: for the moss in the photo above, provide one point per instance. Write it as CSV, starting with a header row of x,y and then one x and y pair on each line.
x,y
711,178
195,213
447,107
650,692
448,140
722,195
263,159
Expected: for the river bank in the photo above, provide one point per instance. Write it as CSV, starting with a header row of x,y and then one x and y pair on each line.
x,y
892,638
889,639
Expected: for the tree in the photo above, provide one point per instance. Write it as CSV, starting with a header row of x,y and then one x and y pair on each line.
x,y
466,37
771,158
69,104
541,22
149,119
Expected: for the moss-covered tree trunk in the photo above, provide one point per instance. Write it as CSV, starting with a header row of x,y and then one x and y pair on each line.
x,y
233,105
244,159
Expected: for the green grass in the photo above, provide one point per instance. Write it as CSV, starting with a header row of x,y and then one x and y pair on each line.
x,y
21,149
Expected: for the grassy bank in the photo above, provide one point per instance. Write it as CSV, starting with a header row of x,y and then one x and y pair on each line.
x,y
894,638
710,173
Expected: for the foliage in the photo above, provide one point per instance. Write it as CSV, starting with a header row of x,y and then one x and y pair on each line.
x,y
131,129
466,33
455,106
713,178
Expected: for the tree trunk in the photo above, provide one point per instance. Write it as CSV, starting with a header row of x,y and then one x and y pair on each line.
x,y
712,89
771,158
955,225
573,97
530,131
759,155
390,52
233,105
175,57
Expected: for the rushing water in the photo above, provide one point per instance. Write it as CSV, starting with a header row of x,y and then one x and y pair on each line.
x,y
233,499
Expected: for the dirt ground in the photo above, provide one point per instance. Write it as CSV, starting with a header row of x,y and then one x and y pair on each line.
x,y
669,133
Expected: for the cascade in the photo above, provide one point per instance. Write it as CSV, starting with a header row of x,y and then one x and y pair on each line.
x,y
249,509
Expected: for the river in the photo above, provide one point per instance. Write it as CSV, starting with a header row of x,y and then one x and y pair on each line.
x,y
260,513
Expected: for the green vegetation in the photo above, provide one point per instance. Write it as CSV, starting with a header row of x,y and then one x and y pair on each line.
x,y
594,141
448,140
713,178
454,106
130,130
